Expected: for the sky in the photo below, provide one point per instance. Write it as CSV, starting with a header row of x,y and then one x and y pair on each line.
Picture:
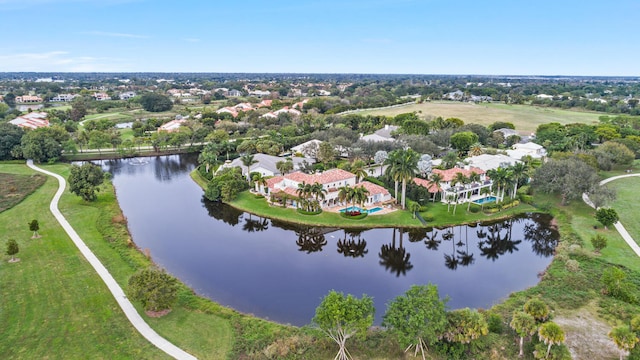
x,y
493,37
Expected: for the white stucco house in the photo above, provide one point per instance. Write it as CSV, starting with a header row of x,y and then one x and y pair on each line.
x,y
531,149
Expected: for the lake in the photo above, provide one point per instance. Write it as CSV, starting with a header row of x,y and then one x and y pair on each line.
x,y
281,271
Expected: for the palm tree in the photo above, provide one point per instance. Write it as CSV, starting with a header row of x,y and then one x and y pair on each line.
x,y
209,156
406,167
284,166
499,177
392,162
319,193
476,150
414,208
357,168
360,195
460,179
519,172
248,160
435,179
624,338
259,181
524,325
304,192
551,334
345,194
474,178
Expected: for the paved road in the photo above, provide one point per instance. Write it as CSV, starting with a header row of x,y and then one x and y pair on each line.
x,y
623,232
136,320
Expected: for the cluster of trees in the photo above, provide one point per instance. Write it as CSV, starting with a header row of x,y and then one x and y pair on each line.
x,y
420,321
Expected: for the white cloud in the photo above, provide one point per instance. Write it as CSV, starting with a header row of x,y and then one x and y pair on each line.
x,y
60,61
114,34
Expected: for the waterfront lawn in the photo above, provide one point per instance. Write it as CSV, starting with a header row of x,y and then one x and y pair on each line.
x,y
54,305
247,201
198,326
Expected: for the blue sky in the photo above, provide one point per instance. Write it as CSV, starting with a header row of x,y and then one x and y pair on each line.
x,y
519,37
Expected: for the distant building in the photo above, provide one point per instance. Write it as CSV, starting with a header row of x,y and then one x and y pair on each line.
x,y
266,164
383,134
64,97
31,120
127,95
172,125
527,149
234,93
101,96
28,99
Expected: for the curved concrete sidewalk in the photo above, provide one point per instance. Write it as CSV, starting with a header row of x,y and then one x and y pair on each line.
x,y
136,320
623,232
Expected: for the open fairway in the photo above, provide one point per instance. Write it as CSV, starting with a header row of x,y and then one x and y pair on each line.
x,y
525,118
55,306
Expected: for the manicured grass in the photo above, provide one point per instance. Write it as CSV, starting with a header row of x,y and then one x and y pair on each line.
x,y
399,218
526,118
54,305
119,116
14,188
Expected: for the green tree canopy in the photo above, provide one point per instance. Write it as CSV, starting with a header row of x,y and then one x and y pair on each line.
x,y
465,325
551,334
12,248
154,288
606,216
568,177
85,180
538,309
44,144
226,185
155,102
418,318
624,338
10,137
524,325
342,317
462,141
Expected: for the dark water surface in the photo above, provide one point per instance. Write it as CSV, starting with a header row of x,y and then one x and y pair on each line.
x,y
281,271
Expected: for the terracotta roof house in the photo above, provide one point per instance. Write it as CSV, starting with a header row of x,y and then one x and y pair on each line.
x,y
28,99
229,110
331,180
31,120
463,192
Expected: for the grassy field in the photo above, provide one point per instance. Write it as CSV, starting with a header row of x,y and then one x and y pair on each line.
x,y
526,118
14,188
55,306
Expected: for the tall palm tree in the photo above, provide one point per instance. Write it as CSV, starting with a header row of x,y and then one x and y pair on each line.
x,y
499,177
259,181
474,178
248,160
304,192
319,192
407,168
435,179
357,168
519,171
392,162
345,194
360,195
460,179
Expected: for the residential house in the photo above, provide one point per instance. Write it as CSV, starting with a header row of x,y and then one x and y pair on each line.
x,y
462,192
27,99
229,110
274,114
172,125
234,93
527,149
300,105
127,95
331,180
383,134
64,97
31,120
265,103
506,132
308,149
259,93
489,162
101,96
266,164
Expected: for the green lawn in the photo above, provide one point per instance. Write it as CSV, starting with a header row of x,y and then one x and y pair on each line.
x,y
526,118
55,306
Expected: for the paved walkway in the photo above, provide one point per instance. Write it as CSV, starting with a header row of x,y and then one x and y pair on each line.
x,y
136,320
623,232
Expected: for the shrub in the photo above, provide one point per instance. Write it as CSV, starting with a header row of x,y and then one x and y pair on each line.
x,y
356,215
154,288
617,285
599,242
304,212
495,322
572,265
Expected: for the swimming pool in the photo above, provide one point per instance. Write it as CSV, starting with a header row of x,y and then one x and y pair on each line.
x,y
357,208
485,200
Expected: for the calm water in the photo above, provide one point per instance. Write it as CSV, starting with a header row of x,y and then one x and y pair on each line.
x,y
280,271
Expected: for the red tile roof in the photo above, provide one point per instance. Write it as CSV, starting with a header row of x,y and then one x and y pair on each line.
x,y
326,177
432,188
373,188
450,174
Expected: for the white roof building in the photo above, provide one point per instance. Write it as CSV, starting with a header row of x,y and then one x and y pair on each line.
x,y
487,162
532,149
31,120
